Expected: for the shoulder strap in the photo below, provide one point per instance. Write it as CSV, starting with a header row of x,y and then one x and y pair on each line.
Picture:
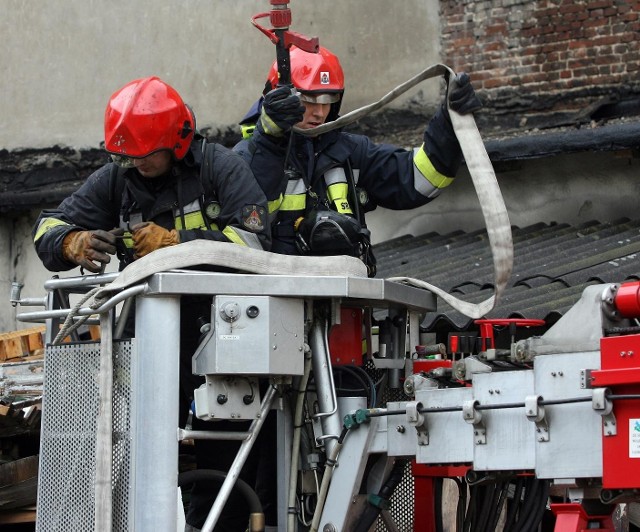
x,y
116,182
206,168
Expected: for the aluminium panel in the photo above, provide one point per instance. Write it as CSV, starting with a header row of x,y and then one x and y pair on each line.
x,y
67,469
510,436
574,449
371,292
450,436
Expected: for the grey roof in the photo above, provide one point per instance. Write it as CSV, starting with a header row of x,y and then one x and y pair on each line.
x,y
553,263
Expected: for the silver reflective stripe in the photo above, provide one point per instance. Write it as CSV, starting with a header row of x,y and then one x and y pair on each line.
x,y
335,175
295,186
189,208
249,238
356,175
421,183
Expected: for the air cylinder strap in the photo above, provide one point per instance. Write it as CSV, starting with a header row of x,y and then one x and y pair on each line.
x,y
484,180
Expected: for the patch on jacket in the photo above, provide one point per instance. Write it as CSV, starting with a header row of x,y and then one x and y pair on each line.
x,y
253,217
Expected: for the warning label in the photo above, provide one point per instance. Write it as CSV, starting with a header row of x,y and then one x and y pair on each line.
x,y
634,438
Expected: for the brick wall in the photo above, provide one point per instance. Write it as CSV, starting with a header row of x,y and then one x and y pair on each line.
x,y
545,55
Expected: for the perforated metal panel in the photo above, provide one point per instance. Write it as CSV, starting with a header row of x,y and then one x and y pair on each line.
x,y
402,500
68,438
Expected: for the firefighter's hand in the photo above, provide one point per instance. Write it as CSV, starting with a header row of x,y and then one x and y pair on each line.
x,y
89,249
281,110
148,237
463,98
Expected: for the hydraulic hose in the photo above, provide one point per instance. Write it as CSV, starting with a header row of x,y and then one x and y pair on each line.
x,y
386,491
512,509
330,464
297,429
256,517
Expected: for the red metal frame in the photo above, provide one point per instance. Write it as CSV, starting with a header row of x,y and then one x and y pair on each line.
x,y
486,328
424,494
620,371
345,338
572,517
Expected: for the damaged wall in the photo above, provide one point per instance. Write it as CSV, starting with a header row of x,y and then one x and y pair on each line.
x,y
546,56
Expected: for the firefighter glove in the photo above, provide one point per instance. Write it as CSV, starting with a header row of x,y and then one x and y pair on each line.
x,y
462,97
89,249
281,110
148,237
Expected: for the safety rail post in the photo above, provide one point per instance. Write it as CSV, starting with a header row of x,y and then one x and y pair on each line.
x,y
154,416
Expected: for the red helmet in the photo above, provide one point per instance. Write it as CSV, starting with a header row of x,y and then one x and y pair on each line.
x,y
147,115
311,72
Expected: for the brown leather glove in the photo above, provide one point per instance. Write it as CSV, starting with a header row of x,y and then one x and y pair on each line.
x,y
148,237
90,249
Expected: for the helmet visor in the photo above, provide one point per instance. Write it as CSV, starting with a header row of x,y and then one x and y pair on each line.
x,y
325,97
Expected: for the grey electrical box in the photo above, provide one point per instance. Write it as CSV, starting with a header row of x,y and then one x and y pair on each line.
x,y
253,335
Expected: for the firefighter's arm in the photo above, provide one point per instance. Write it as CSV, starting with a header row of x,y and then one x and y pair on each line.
x,y
439,157
56,232
265,156
243,216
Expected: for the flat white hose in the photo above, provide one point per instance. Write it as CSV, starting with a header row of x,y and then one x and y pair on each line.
x,y
228,255
484,180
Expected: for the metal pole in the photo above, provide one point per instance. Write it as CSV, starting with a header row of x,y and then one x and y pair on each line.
x,y
241,458
104,429
325,387
154,416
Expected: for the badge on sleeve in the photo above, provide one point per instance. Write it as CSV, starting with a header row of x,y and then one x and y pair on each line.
x,y
253,217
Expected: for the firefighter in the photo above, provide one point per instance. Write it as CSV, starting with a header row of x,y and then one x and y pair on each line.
x,y
155,192
165,185
319,188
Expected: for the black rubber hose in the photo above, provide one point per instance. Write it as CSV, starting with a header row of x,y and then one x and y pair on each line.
x,y
512,509
487,493
530,499
462,503
437,503
189,477
386,491
470,517
537,510
493,522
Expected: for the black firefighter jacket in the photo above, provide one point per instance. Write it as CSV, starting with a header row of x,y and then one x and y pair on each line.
x,y
209,195
300,174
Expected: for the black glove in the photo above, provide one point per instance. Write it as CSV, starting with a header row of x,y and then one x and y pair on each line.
x,y
462,97
281,110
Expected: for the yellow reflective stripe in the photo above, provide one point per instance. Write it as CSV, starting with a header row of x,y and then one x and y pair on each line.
x,y
337,191
342,206
193,220
47,224
338,195
231,234
423,164
127,240
274,205
247,130
269,126
295,202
